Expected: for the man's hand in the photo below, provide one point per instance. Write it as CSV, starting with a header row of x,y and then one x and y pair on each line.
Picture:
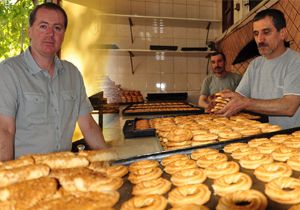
x,y
236,103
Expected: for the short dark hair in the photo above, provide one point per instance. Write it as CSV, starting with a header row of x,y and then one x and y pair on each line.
x,y
47,5
276,15
218,53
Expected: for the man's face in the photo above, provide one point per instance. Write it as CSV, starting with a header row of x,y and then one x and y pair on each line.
x,y
47,32
267,38
217,64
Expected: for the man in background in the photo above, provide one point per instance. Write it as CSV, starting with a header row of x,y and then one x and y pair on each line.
x,y
42,96
270,84
218,81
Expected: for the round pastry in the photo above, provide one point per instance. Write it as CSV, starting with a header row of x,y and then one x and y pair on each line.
x,y
188,176
232,182
143,164
179,143
258,141
270,128
156,202
146,174
172,158
285,190
268,148
294,162
179,134
199,132
230,135
243,151
207,160
292,142
250,131
280,138
179,165
190,207
216,170
296,134
252,161
229,148
205,137
205,151
197,194
116,171
268,172
295,207
156,186
283,153
253,200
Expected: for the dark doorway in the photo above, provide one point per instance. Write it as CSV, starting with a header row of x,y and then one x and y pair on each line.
x,y
227,14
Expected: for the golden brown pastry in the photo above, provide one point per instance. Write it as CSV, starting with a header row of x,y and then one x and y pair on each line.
x,y
232,182
285,190
156,186
99,155
11,176
254,200
197,194
149,202
24,195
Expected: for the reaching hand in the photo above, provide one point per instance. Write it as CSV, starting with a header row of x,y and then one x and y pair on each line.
x,y
236,103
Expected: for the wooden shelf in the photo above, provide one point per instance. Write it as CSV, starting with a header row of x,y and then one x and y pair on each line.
x,y
166,21
141,52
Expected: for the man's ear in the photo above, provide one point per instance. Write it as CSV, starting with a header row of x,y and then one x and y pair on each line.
x,y
283,34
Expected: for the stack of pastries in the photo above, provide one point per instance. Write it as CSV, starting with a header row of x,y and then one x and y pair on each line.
x,y
59,181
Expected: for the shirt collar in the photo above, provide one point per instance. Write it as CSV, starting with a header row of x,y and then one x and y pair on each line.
x,y
34,67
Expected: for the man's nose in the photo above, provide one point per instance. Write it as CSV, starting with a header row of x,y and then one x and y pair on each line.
x,y
260,38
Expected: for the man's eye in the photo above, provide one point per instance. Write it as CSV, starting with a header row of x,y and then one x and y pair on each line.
x,y
58,28
43,27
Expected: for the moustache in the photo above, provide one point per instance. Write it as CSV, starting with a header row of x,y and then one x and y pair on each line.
x,y
262,45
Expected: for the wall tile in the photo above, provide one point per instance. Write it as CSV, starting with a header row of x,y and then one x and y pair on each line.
x,y
166,9
179,10
180,63
152,80
180,82
194,82
168,79
123,6
138,8
193,11
193,65
167,65
152,8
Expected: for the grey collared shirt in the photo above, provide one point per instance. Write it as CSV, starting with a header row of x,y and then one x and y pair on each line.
x,y
46,109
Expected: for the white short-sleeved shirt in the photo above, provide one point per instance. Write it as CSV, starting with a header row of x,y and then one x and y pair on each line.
x,y
272,79
46,109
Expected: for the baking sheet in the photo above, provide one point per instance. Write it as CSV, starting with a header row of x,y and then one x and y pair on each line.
x,y
126,189
197,110
130,131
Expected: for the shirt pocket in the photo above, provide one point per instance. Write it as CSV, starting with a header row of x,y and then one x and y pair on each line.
x,y
35,107
69,99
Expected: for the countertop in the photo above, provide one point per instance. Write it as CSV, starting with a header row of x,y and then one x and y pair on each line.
x,y
113,134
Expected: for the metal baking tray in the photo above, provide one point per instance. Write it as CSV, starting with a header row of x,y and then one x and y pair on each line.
x,y
130,131
197,110
126,189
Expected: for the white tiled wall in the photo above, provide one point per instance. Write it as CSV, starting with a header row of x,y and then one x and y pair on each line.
x,y
179,73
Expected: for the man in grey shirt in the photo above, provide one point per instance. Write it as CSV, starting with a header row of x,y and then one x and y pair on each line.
x,y
218,81
271,83
42,96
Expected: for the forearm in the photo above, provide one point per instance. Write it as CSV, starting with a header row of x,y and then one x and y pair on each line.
x,y
6,145
94,137
92,132
202,102
286,106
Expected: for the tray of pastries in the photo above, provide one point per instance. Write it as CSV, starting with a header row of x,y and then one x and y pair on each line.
x,y
254,173
154,108
192,130
139,127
